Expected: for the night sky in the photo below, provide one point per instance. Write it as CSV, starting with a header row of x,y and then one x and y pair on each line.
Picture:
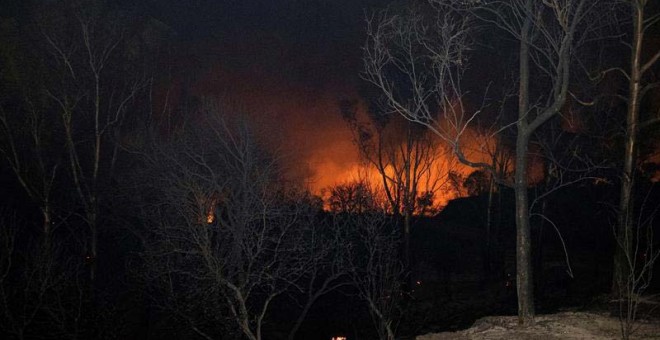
x,y
146,219
285,63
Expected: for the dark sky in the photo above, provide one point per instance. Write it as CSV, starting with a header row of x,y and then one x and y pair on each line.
x,y
309,42
295,20
285,62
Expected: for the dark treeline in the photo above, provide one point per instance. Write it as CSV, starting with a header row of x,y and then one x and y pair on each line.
x,y
133,209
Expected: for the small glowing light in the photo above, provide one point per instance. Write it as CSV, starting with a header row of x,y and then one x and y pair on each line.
x,y
338,338
211,204
419,283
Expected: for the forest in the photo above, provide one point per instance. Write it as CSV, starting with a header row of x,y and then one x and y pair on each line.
x,y
325,169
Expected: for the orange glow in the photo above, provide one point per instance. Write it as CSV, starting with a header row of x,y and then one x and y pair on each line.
x,y
212,204
205,205
334,167
210,218
339,163
302,123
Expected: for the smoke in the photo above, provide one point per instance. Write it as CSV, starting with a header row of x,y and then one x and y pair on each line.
x,y
296,108
300,122
305,125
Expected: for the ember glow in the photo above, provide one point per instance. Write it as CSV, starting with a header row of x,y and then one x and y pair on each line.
x,y
340,163
301,120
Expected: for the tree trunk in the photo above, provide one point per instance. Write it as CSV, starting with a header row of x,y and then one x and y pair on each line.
x,y
488,258
47,224
296,326
406,240
409,203
93,249
538,254
390,333
523,239
624,220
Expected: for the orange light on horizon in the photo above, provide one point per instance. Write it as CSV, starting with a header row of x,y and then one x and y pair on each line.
x,y
327,174
307,128
340,164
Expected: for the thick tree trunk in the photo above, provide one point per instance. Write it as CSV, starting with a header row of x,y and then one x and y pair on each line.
x,y
523,239
537,266
524,285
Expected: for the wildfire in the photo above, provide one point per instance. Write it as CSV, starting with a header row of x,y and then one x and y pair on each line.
x,y
306,124
439,176
358,172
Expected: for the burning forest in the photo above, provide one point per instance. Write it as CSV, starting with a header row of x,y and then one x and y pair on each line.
x,y
328,170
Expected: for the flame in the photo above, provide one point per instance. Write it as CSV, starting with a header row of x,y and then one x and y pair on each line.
x,y
340,164
303,120
206,203
210,217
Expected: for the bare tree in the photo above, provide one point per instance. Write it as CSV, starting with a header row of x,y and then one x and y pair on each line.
x,y
41,288
412,164
225,231
428,55
639,77
640,259
29,140
325,266
633,232
376,268
92,85
352,198
34,168
564,159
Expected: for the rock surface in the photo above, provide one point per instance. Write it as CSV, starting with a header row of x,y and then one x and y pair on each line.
x,y
560,326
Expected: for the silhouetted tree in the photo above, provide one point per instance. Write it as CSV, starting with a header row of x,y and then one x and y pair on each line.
x,y
30,141
412,165
477,183
640,79
375,269
354,198
94,79
224,233
42,288
427,53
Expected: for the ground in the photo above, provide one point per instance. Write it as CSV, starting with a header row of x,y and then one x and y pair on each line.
x,y
560,326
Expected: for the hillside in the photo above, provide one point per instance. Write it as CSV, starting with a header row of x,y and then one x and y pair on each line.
x,y
560,326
